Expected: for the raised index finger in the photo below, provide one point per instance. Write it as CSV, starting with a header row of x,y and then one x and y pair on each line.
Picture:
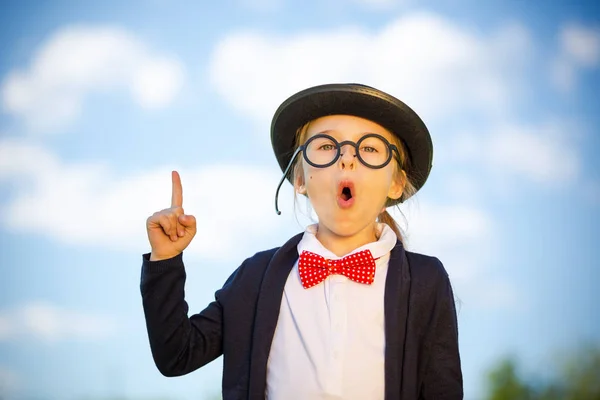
x,y
177,191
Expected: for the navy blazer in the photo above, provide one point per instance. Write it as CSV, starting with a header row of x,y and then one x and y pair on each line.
x,y
421,353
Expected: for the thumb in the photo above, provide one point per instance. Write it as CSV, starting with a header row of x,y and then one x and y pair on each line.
x,y
189,221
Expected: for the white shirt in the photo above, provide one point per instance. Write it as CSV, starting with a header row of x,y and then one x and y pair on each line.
x,y
330,340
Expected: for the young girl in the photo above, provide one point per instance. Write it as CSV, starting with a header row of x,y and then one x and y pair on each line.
x,y
340,311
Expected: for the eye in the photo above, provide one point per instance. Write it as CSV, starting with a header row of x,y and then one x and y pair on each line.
x,y
369,149
327,147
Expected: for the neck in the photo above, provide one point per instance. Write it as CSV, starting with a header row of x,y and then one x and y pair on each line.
x,y
342,245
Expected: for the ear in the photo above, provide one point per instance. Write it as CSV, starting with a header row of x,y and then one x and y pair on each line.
x,y
397,186
299,183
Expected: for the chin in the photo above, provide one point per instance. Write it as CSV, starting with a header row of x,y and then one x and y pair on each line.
x,y
346,228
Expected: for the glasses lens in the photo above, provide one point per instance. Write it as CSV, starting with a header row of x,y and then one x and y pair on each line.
x,y
373,151
321,150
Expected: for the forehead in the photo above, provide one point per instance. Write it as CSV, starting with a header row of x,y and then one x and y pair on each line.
x,y
346,127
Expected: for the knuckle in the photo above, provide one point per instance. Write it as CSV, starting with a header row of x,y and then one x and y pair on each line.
x,y
177,210
165,221
154,218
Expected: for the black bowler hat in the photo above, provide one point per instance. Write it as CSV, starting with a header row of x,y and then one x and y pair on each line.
x,y
361,101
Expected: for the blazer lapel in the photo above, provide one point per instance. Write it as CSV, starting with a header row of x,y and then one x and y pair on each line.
x,y
267,314
397,292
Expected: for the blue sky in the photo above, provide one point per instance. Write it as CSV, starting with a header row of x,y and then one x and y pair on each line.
x,y
100,101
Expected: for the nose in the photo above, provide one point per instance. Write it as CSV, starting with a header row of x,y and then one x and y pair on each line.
x,y
347,157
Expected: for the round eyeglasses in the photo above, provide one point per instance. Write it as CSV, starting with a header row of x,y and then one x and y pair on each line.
x,y
322,151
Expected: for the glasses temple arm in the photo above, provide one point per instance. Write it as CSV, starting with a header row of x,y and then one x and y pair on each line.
x,y
397,155
285,173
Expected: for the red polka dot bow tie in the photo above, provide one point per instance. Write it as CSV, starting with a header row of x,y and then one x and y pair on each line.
x,y
359,267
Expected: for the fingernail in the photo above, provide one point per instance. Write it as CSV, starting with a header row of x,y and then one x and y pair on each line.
x,y
180,232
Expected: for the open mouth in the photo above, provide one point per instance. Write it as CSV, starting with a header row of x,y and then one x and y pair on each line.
x,y
346,193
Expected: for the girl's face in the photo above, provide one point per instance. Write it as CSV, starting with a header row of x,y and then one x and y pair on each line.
x,y
340,212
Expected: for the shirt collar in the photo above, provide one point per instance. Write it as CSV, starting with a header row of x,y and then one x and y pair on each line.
x,y
387,241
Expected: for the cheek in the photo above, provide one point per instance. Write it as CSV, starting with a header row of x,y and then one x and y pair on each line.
x,y
380,183
316,180
390,175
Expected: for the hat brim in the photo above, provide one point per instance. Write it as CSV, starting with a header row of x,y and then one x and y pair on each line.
x,y
361,101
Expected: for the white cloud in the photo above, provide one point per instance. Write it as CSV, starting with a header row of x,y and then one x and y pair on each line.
x,y
581,44
462,187
579,48
499,294
47,322
436,66
78,60
89,204
544,154
449,231
435,224
462,238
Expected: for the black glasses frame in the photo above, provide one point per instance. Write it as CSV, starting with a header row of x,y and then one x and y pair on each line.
x,y
393,152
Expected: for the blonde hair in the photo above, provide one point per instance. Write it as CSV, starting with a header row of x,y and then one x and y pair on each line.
x,y
401,171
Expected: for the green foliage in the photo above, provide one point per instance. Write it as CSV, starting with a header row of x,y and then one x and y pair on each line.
x,y
505,383
578,378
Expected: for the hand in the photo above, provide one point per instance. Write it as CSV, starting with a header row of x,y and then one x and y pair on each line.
x,y
170,231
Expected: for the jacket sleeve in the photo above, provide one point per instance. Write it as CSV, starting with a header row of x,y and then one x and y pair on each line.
x,y
179,344
443,375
